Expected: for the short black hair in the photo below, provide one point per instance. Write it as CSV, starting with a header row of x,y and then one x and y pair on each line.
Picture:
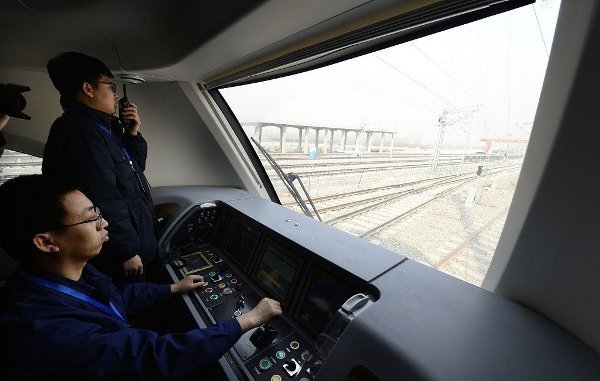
x,y
70,69
30,205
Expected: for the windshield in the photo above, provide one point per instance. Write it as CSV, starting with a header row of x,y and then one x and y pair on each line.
x,y
417,147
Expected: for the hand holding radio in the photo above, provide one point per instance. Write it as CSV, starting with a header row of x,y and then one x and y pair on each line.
x,y
128,114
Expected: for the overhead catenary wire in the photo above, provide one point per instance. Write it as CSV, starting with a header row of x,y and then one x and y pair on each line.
x,y
540,29
443,71
412,79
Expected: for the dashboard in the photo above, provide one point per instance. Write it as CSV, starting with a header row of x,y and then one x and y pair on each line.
x,y
351,310
242,262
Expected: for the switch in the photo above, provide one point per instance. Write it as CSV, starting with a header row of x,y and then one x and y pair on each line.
x,y
314,368
292,367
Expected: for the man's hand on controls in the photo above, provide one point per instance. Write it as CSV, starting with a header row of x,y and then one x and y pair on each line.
x,y
187,284
130,112
262,313
133,267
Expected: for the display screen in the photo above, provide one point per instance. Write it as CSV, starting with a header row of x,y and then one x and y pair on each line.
x,y
323,296
277,272
241,244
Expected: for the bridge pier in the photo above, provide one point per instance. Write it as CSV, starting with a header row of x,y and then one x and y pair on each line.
x,y
369,141
258,132
358,141
328,142
306,141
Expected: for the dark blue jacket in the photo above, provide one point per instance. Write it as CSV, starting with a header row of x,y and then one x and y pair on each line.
x,y
45,334
80,150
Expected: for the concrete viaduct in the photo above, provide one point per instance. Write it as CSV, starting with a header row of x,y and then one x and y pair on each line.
x,y
363,138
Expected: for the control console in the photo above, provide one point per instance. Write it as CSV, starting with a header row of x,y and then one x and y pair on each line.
x,y
242,263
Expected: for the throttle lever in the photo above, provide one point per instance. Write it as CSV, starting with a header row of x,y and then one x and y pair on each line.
x,y
263,335
239,305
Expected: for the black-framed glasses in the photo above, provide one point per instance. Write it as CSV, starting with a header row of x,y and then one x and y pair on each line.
x,y
97,219
113,86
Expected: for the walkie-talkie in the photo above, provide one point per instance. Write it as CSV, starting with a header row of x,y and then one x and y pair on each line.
x,y
123,102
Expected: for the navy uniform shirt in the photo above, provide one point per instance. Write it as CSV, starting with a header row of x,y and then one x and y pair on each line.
x,y
80,148
46,334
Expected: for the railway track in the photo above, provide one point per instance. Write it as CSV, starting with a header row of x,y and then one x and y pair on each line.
x,y
468,256
310,170
342,164
362,193
373,218
380,195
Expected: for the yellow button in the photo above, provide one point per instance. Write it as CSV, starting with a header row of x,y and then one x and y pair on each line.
x,y
276,378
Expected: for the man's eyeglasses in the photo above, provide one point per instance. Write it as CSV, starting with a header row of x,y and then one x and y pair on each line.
x,y
113,86
97,219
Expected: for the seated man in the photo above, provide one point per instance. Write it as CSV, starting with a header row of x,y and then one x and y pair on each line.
x,y
61,318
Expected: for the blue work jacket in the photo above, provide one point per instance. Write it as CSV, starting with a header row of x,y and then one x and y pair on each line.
x,y
110,169
46,334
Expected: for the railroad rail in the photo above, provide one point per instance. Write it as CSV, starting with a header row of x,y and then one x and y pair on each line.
x,y
373,218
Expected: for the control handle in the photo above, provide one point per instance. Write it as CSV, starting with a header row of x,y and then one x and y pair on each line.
x,y
263,335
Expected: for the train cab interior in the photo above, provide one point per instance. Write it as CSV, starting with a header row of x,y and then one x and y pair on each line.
x,y
353,310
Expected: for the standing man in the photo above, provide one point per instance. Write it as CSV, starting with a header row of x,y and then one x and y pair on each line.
x,y
87,145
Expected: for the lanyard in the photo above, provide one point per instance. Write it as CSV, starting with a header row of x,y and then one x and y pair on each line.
x,y
116,140
112,136
76,294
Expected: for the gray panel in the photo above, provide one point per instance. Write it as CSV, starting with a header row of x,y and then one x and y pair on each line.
x,y
547,257
353,254
186,196
181,150
430,326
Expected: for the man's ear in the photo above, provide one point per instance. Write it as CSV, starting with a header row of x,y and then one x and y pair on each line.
x,y
87,89
44,243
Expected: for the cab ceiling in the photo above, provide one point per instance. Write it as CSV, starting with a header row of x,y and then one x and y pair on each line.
x,y
167,40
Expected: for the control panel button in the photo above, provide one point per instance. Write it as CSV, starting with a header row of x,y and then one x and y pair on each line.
x,y
212,273
294,344
233,281
208,290
227,291
304,379
214,296
228,275
221,285
280,355
216,278
216,260
276,377
306,355
264,364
